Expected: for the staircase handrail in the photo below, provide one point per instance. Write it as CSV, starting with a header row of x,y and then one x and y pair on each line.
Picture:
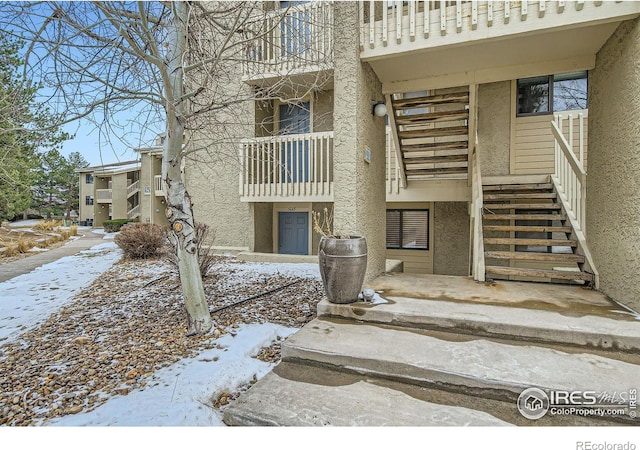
x,y
570,175
477,205
570,181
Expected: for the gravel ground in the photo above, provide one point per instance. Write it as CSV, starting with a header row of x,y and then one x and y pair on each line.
x,y
131,322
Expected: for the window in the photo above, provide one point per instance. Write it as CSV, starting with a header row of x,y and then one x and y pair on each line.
x,y
88,200
548,94
88,178
408,229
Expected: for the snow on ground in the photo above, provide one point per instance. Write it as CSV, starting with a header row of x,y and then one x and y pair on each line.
x,y
178,395
181,394
30,298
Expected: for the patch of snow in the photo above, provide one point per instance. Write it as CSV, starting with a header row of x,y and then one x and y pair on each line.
x,y
23,223
182,394
38,249
28,299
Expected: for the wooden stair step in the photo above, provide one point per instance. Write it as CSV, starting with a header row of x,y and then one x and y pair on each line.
x,y
521,241
437,171
439,146
431,100
538,273
524,216
530,228
437,159
433,132
550,206
532,256
440,116
520,195
517,187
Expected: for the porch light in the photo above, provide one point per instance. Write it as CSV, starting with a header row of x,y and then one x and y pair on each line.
x,y
378,109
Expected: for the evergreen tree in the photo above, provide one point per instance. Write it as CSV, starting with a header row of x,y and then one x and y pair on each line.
x,y
20,115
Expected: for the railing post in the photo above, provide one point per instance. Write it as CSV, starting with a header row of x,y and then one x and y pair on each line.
x,y
372,21
581,137
426,16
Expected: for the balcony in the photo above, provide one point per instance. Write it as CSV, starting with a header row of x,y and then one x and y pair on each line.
x,y
432,38
297,167
104,195
287,42
157,186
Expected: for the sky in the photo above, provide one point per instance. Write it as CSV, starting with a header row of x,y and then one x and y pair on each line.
x,y
98,149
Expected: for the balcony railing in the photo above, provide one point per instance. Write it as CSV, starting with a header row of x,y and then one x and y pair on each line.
x,y
133,212
296,39
288,167
397,26
157,186
133,188
104,195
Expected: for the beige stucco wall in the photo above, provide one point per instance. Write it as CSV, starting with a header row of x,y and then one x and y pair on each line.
x,y
323,111
85,211
263,223
494,118
152,208
359,195
214,191
318,207
451,236
119,196
613,183
264,118
100,210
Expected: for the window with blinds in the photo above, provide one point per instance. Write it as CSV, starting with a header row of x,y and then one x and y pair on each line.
x,y
408,229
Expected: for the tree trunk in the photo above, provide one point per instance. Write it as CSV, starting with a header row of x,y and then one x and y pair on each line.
x,y
179,210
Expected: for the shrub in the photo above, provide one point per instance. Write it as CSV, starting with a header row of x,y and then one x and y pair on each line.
x,y
73,230
113,226
23,244
206,257
141,240
47,225
11,250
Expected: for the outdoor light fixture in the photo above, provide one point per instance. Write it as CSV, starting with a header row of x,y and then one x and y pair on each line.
x,y
378,109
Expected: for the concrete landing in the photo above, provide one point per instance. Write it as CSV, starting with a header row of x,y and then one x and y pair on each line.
x,y
619,331
567,299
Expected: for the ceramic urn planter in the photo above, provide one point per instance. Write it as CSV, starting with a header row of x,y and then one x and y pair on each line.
x,y
343,263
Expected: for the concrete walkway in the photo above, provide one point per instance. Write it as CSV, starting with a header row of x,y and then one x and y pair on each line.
x,y
13,269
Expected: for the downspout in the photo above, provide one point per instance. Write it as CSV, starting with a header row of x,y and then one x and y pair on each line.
x,y
152,188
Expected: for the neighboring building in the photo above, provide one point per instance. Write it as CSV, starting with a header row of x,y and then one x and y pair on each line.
x,y
111,191
152,200
466,171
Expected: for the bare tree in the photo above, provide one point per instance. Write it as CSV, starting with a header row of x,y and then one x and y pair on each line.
x,y
171,63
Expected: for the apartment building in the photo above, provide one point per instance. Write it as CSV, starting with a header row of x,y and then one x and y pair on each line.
x,y
454,136
110,191
152,200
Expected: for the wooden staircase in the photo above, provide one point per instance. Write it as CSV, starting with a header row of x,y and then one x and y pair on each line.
x,y
432,134
527,235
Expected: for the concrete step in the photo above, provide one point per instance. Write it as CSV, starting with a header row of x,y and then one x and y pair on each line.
x,y
302,395
472,366
593,326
